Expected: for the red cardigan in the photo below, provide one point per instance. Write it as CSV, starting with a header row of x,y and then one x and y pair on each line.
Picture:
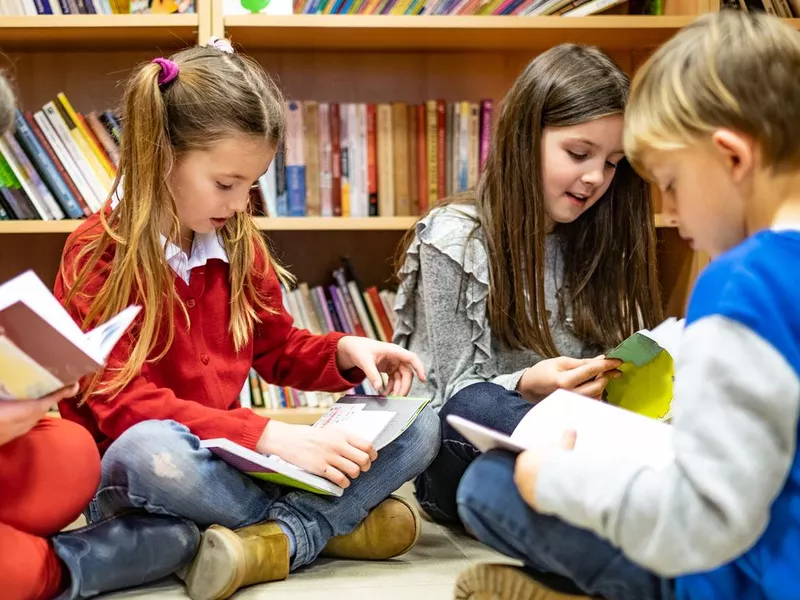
x,y
198,381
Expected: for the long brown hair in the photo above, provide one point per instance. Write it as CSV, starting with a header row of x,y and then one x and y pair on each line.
x,y
610,279
216,95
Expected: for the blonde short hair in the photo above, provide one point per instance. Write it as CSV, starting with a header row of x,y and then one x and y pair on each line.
x,y
732,70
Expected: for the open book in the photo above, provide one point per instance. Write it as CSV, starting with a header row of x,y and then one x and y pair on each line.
x,y
602,429
377,419
648,361
41,348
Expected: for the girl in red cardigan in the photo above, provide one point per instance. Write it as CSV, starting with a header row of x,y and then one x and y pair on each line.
x,y
200,128
49,470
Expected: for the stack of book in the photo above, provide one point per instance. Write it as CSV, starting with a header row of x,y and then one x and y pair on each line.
x,y
14,8
58,163
366,159
343,306
522,8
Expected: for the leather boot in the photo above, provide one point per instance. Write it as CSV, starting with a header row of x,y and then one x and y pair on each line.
x,y
392,528
507,582
124,551
228,560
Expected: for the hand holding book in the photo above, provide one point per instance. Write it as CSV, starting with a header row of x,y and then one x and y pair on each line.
x,y
334,454
18,418
587,377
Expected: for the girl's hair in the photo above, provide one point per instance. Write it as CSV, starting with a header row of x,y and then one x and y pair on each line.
x,y
730,69
610,280
7,103
216,94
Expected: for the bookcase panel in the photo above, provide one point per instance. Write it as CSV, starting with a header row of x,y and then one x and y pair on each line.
x,y
398,76
91,81
40,252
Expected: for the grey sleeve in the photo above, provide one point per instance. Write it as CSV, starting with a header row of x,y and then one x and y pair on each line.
x,y
735,414
450,330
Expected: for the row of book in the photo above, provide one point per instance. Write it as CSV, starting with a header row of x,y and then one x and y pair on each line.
x,y
343,306
12,8
786,9
338,160
387,159
523,8
58,163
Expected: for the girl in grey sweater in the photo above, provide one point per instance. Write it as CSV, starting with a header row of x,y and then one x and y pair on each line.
x,y
511,291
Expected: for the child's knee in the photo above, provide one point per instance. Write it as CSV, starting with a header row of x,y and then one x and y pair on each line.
x,y
486,482
152,453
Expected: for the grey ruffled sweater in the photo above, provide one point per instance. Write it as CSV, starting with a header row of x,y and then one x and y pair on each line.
x,y
441,309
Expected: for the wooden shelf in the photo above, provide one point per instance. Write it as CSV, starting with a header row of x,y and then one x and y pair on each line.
x,y
97,32
264,223
447,33
295,416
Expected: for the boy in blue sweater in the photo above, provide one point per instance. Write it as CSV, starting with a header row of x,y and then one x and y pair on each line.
x,y
714,121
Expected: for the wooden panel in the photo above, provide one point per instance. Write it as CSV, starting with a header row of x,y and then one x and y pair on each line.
x,y
446,33
311,257
97,32
40,252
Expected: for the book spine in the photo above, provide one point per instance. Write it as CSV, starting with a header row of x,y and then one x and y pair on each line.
x,y
399,141
372,159
311,157
325,160
386,181
413,171
441,149
45,167
422,160
486,132
336,160
295,167
433,161
26,185
344,144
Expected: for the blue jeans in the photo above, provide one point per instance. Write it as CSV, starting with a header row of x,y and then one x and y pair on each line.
x,y
159,466
488,404
566,558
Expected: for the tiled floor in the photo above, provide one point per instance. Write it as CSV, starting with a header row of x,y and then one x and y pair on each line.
x,y
428,572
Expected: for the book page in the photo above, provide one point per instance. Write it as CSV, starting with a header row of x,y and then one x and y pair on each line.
x,y
404,409
102,339
601,429
21,377
28,288
668,335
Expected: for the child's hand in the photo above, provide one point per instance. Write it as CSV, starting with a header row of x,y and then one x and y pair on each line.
x,y
526,471
375,357
584,376
18,417
335,455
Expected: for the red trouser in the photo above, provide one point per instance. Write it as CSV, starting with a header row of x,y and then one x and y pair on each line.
x,y
47,477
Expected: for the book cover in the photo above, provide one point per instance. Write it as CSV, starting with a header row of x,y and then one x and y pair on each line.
x,y
648,359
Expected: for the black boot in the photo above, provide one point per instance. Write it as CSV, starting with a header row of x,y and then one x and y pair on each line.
x,y
124,551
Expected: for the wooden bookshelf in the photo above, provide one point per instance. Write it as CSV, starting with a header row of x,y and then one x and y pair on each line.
x,y
447,33
97,32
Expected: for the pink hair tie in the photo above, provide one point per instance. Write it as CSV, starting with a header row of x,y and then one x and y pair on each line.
x,y
169,70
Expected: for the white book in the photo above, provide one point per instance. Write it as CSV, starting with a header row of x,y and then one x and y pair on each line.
x,y
377,419
42,349
602,429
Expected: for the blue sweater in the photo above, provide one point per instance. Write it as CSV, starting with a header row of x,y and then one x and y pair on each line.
x,y
724,518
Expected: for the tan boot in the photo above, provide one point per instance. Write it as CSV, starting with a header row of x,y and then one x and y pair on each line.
x,y
228,560
503,582
390,529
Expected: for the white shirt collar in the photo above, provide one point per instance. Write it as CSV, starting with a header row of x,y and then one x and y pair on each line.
x,y
205,247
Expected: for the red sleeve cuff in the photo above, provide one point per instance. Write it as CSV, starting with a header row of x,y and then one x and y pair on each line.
x,y
253,428
343,380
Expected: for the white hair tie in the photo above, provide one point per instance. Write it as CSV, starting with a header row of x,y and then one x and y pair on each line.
x,y
221,44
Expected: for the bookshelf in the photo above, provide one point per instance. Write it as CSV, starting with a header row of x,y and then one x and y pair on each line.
x,y
333,58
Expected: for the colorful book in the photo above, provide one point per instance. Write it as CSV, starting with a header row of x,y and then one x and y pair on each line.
x,y
378,419
42,349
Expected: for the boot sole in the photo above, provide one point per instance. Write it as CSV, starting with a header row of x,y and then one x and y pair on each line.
x,y
218,568
503,582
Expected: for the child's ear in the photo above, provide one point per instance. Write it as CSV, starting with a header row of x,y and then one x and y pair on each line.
x,y
737,152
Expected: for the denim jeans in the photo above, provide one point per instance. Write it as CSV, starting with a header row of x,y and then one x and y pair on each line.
x,y
159,466
489,405
566,558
